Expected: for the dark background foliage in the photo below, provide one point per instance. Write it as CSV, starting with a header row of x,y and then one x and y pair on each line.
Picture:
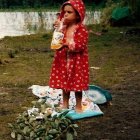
x,y
40,3
44,3
92,4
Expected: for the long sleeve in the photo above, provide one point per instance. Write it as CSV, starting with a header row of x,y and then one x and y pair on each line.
x,y
79,40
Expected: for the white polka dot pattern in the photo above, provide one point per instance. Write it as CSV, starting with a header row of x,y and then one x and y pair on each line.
x,y
70,69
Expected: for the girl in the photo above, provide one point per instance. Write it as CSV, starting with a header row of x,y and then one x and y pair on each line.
x,y
70,69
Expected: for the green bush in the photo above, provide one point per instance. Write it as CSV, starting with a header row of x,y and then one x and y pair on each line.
x,y
42,125
107,11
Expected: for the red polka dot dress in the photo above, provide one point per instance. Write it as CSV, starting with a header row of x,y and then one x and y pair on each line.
x,y
70,68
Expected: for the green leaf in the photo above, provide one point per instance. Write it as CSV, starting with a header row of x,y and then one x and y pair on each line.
x,y
63,114
37,139
69,136
10,125
75,133
21,125
26,129
20,120
42,101
35,113
53,131
75,125
25,114
32,119
63,126
19,137
34,102
50,137
43,108
69,121
65,121
55,116
32,134
13,135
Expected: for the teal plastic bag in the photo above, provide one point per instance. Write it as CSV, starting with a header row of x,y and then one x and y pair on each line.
x,y
98,95
120,13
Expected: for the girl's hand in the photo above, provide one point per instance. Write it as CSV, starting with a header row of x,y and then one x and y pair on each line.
x,y
59,23
56,23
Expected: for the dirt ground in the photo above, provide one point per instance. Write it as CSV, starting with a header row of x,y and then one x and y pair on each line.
x,y
120,121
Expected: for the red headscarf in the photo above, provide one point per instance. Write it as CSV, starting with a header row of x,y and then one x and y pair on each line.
x,y
78,5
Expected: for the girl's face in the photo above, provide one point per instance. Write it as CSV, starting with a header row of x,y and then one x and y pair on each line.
x,y
70,15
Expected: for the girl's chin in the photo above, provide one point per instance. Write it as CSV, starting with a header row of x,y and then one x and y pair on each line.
x,y
68,22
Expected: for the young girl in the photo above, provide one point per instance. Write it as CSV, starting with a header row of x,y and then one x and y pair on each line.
x,y
70,69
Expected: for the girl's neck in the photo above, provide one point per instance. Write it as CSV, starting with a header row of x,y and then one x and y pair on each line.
x,y
71,24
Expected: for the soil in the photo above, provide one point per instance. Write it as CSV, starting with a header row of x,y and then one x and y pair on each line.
x,y
119,122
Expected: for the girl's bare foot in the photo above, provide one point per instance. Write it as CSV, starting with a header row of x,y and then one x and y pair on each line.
x,y
66,96
64,107
78,109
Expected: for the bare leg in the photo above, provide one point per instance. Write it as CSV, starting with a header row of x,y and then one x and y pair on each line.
x,y
66,95
78,96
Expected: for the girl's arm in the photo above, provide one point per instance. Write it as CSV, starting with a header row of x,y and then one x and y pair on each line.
x,y
79,42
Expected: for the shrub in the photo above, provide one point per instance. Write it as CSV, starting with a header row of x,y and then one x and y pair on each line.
x,y
43,124
107,11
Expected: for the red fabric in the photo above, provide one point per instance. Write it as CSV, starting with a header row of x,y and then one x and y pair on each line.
x,y
70,69
78,5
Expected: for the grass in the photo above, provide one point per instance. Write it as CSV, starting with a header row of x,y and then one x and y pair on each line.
x,y
32,60
114,54
26,60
